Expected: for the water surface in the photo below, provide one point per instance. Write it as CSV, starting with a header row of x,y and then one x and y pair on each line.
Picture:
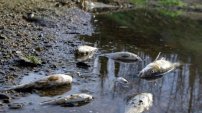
x,y
147,32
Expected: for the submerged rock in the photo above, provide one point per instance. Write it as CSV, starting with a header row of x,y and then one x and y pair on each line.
x,y
85,52
139,103
50,81
123,56
157,68
71,100
30,60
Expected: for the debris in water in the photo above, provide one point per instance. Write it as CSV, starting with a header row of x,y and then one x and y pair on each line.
x,y
121,80
71,100
139,103
157,68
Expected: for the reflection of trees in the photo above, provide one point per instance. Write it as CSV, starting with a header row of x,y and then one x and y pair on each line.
x,y
177,91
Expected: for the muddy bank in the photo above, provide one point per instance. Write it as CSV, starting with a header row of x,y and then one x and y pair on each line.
x,y
53,33
49,36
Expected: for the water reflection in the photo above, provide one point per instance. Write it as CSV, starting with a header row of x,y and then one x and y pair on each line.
x,y
54,91
146,34
176,91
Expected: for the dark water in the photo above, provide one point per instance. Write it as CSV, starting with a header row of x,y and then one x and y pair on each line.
x,y
145,32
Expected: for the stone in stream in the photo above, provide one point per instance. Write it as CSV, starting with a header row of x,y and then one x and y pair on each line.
x,y
123,56
157,68
71,100
50,81
85,52
139,103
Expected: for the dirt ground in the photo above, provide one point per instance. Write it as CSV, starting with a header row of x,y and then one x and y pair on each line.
x,y
51,35
54,26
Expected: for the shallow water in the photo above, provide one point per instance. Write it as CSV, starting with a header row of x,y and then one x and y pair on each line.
x,y
145,32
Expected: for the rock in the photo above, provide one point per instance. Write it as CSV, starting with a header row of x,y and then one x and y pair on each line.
x,y
29,60
50,81
71,100
139,103
123,57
